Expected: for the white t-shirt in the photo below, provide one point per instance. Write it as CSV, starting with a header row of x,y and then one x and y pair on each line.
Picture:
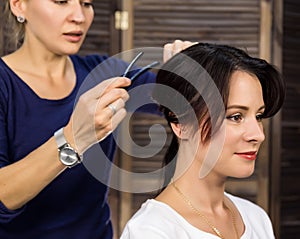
x,y
157,220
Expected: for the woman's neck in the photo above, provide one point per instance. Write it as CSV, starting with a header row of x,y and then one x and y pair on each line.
x,y
50,76
206,191
49,65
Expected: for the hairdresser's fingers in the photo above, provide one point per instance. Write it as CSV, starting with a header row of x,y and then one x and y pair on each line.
x,y
112,108
111,96
187,44
173,48
179,45
168,51
107,85
112,124
92,122
92,116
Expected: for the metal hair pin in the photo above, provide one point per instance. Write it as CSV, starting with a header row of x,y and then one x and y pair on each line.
x,y
140,71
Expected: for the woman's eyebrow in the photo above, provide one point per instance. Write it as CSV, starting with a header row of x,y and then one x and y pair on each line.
x,y
241,107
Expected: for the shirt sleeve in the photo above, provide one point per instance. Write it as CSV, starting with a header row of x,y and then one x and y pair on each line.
x,y
3,128
6,215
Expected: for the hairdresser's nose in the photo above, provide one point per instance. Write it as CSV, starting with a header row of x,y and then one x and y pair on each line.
x,y
77,13
254,131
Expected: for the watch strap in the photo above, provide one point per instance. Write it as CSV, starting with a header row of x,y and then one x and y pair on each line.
x,y
60,138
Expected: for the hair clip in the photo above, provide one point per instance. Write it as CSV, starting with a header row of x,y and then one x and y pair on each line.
x,y
140,71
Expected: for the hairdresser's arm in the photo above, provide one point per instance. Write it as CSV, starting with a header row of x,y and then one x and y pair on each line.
x,y
22,181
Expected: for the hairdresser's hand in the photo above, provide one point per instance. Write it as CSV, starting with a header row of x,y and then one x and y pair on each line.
x,y
97,113
170,49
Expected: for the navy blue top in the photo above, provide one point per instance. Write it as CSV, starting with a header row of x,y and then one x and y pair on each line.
x,y
74,205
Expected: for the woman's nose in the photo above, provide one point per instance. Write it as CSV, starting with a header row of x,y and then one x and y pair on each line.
x,y
77,14
254,131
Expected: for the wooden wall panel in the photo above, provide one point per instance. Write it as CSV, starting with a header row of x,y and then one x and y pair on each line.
x,y
223,21
290,142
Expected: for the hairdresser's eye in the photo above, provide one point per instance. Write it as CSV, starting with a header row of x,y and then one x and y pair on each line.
x,y
61,2
235,117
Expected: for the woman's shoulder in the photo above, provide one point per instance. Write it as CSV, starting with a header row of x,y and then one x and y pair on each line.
x,y
7,77
248,209
154,219
152,210
153,214
242,202
4,68
256,220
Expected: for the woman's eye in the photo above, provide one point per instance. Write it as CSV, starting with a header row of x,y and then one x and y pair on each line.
x,y
259,117
87,4
235,117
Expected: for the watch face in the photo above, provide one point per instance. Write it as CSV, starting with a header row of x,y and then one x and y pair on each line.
x,y
68,156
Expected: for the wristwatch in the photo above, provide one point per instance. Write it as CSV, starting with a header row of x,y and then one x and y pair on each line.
x,y
67,155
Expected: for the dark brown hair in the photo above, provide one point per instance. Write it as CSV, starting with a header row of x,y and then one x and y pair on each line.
x,y
196,73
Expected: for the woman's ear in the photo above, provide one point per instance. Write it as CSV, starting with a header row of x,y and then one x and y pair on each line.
x,y
180,131
17,7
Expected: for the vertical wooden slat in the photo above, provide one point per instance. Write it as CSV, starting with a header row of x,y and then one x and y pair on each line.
x,y
275,166
264,155
126,164
290,124
115,34
265,30
125,160
127,35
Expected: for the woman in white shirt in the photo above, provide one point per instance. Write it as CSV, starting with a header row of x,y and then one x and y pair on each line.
x,y
214,98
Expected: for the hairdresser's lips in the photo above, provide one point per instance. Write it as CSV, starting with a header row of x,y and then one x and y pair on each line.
x,y
73,36
251,155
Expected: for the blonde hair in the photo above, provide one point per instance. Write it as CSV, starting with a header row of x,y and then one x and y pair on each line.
x,y
13,30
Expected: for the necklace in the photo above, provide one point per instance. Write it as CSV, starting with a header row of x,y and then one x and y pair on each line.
x,y
214,229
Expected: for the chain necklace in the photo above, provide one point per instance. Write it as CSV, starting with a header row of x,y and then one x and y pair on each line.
x,y
214,229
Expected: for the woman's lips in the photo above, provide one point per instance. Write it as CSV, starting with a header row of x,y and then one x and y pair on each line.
x,y
247,155
73,36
